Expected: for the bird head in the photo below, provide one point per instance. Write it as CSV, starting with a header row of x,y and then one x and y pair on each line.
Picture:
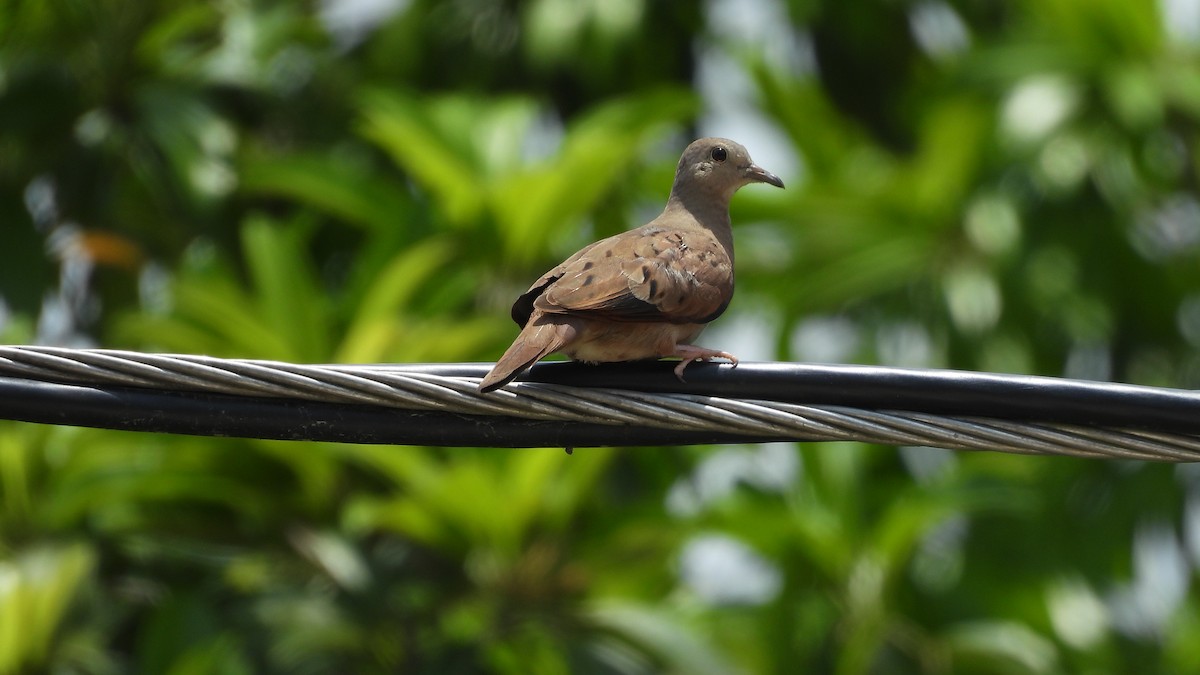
x,y
718,166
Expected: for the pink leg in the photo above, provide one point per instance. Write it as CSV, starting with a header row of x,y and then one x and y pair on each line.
x,y
689,353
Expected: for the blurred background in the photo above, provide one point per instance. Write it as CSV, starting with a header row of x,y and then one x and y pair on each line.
x,y
991,185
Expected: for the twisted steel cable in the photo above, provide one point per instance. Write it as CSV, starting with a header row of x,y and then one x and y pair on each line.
x,y
573,405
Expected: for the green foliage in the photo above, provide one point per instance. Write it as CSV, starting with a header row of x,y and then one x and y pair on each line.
x,y
995,186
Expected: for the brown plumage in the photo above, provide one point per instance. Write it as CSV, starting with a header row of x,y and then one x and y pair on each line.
x,y
647,292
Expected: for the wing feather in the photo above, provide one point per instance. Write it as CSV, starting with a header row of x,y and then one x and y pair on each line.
x,y
649,274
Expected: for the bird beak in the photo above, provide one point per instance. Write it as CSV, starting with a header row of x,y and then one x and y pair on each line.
x,y
758,174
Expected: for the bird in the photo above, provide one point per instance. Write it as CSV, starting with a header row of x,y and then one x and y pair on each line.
x,y
646,293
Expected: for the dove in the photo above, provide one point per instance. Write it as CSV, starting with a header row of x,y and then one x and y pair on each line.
x,y
646,293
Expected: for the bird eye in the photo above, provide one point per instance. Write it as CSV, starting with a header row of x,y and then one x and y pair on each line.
x,y
718,153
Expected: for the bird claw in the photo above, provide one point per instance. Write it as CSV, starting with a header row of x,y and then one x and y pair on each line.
x,y
690,354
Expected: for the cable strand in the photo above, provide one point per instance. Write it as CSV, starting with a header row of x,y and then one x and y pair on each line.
x,y
574,405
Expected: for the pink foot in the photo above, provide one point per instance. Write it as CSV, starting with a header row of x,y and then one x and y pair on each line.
x,y
689,353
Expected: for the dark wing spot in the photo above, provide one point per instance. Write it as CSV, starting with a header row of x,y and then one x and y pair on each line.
x,y
645,271
522,309
653,289
588,265
627,307
587,281
608,253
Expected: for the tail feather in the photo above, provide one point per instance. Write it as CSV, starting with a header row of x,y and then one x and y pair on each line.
x,y
537,340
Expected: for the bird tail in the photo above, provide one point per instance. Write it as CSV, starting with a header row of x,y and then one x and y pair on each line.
x,y
537,340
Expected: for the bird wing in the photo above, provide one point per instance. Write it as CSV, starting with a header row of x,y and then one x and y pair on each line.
x,y
648,274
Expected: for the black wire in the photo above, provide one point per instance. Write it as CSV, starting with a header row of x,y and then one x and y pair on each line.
x,y
942,392
195,414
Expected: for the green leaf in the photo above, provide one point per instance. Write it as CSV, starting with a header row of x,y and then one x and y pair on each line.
x,y
390,297
673,644
36,589
335,187
1002,646
415,140
287,293
597,152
